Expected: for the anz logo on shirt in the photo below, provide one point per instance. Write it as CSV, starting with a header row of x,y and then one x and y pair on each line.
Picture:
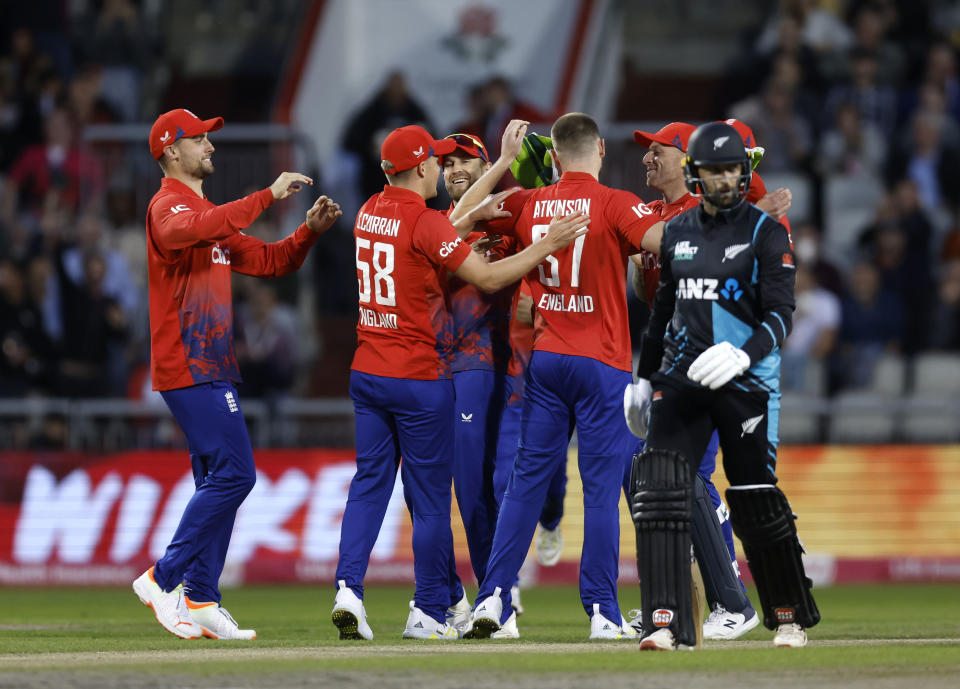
x,y
705,289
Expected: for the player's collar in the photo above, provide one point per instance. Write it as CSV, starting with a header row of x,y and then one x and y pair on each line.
x,y
175,185
401,194
577,176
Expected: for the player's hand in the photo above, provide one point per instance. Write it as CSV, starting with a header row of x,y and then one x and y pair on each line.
x,y
718,365
485,243
288,184
776,203
511,143
323,214
636,407
490,207
564,230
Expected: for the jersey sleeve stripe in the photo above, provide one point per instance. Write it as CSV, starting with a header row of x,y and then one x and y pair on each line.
x,y
782,324
770,330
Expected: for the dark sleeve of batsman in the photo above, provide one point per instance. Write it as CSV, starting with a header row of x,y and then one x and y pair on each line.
x,y
776,276
651,342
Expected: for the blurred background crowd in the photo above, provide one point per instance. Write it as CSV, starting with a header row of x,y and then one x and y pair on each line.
x,y
857,103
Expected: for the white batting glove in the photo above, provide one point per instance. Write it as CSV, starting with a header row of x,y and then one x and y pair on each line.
x,y
718,365
636,407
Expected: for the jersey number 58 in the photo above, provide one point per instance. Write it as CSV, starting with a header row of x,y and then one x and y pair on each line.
x,y
384,290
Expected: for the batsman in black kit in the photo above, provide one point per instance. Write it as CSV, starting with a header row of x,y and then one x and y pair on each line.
x,y
712,355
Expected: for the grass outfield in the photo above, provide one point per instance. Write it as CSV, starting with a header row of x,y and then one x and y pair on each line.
x,y
882,635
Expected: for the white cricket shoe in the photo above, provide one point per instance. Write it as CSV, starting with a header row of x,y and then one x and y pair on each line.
x,y
508,630
725,625
636,621
421,626
515,600
549,546
662,640
602,628
458,616
216,622
485,619
790,635
168,606
349,615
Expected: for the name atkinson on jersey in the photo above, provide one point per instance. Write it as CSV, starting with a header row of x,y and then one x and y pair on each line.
x,y
555,207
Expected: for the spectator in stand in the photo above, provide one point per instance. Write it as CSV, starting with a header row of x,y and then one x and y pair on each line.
x,y
820,28
93,326
774,118
939,77
875,100
478,112
58,170
391,107
816,323
851,147
118,283
809,250
25,349
115,40
503,105
945,330
266,343
871,324
933,166
872,24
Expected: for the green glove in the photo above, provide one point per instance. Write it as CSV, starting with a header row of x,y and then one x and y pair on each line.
x,y
533,168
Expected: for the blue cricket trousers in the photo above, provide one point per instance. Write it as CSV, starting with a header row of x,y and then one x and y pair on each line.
x,y
560,388
480,400
398,417
222,460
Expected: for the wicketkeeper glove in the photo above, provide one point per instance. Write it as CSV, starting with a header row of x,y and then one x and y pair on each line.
x,y
718,365
636,407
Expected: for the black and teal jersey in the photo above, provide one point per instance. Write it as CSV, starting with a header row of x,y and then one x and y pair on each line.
x,y
728,277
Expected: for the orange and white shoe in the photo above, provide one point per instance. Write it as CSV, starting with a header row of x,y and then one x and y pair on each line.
x,y
216,622
169,606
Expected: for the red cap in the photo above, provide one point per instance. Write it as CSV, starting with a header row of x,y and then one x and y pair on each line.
x,y
469,144
675,134
407,147
176,124
749,140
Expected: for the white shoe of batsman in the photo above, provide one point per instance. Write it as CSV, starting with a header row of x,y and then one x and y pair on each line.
x,y
725,625
790,635
636,406
216,622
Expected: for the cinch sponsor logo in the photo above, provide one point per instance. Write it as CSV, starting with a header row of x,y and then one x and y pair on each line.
x,y
447,247
683,251
218,255
662,617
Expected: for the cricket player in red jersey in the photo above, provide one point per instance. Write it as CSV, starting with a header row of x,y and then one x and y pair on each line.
x,y
193,246
580,364
401,382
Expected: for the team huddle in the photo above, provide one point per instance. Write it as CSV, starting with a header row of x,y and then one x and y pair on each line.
x,y
486,336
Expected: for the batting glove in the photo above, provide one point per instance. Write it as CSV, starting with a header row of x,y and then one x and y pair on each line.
x,y
718,365
636,407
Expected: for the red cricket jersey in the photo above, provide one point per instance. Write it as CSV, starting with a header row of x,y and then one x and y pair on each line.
x,y
579,292
481,322
404,251
192,247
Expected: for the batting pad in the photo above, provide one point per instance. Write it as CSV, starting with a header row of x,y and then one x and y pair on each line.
x,y
763,521
661,503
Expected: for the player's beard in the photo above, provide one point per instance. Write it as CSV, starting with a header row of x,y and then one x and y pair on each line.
x,y
204,169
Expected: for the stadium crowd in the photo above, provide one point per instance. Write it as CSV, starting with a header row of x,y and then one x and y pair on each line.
x,y
860,100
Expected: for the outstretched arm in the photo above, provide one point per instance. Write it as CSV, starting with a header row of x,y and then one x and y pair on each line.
x,y
510,146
